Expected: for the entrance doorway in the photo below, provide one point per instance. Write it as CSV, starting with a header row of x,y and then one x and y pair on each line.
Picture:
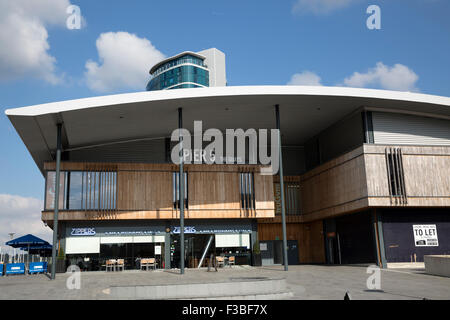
x,y
197,246
194,247
272,252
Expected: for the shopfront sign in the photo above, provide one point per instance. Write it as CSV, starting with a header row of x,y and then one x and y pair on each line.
x,y
83,232
425,235
132,233
176,230
210,230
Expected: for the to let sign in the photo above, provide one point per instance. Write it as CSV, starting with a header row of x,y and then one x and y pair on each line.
x,y
425,235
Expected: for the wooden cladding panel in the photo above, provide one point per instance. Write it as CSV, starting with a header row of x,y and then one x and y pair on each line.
x,y
264,195
412,202
152,214
376,172
427,176
84,166
335,186
144,190
213,190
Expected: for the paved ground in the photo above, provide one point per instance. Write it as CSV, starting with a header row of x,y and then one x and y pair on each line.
x,y
306,282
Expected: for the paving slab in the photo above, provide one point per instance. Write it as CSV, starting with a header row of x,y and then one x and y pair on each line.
x,y
303,281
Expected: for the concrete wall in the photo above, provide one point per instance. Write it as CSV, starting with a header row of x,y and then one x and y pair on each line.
x,y
438,265
215,61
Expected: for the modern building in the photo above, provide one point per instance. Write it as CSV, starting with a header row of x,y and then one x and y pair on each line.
x,y
189,70
366,174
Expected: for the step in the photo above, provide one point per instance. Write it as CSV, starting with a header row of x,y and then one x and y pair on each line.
x,y
235,287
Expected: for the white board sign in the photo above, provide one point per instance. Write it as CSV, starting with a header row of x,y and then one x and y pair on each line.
x,y
425,235
157,249
263,246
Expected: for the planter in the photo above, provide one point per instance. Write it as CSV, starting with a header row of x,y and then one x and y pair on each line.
x,y
257,261
60,266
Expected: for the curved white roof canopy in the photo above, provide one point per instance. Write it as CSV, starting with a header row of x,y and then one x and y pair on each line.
x,y
304,110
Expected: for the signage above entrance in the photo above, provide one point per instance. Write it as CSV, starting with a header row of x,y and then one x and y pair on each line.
x,y
83,232
210,230
176,230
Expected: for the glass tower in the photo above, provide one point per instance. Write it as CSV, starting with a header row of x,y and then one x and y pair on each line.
x,y
186,70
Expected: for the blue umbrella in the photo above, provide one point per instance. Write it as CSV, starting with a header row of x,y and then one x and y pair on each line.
x,y
27,242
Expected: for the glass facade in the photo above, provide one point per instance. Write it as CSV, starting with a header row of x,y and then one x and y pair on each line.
x,y
185,72
181,60
82,190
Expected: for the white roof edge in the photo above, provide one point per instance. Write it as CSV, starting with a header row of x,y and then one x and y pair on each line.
x,y
118,99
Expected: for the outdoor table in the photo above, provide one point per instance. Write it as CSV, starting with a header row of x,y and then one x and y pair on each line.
x,y
37,267
15,268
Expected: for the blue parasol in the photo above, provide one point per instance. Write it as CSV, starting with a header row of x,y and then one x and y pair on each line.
x,y
27,242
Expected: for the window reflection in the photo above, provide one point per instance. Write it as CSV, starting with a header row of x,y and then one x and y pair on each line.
x,y
83,190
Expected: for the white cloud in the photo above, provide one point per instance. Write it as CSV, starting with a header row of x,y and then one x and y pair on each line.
x,y
24,38
125,60
306,78
398,77
22,216
320,7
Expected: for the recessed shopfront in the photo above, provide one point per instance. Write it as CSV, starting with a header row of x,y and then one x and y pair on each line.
x,y
204,238
90,245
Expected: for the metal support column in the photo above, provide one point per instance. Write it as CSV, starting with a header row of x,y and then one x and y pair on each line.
x,y
379,239
181,182
283,210
56,203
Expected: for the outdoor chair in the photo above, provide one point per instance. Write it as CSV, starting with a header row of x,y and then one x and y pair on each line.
x,y
120,264
220,261
110,264
152,263
143,263
148,262
231,261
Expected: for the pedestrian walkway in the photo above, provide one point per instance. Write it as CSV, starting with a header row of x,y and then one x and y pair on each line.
x,y
303,282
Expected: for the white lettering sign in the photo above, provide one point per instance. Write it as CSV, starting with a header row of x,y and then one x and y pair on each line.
x,y
425,235
83,232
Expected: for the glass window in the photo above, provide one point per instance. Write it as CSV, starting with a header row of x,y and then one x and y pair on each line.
x,y
293,198
76,190
247,191
182,74
50,190
91,190
176,190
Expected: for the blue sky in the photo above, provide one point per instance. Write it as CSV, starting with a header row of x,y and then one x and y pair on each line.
x,y
319,42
